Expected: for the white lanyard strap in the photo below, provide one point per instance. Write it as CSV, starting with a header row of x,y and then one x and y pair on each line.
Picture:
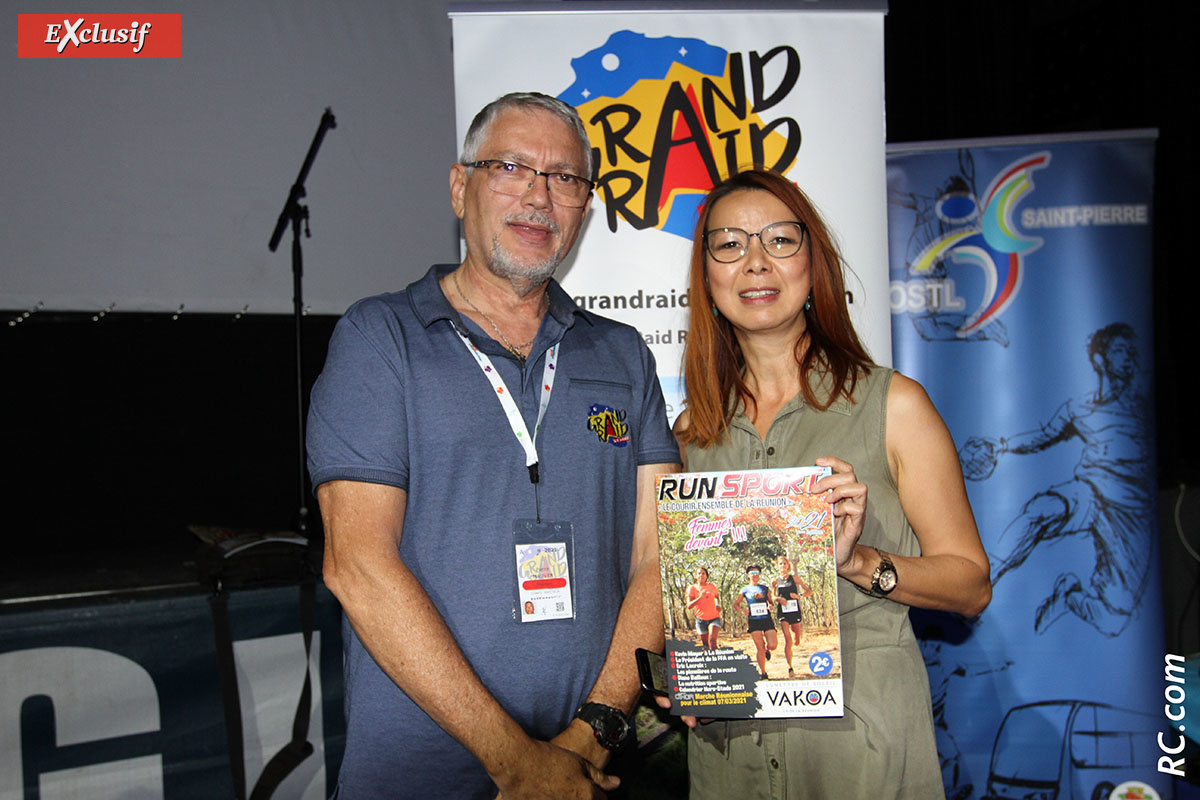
x,y
515,420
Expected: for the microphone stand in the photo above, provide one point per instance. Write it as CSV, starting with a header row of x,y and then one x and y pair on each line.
x,y
293,212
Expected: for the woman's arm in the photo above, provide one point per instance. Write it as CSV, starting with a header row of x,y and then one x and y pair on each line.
x,y
951,573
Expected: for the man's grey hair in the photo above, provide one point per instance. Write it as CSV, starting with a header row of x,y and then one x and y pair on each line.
x,y
524,101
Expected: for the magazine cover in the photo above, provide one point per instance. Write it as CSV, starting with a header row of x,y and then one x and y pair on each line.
x,y
749,594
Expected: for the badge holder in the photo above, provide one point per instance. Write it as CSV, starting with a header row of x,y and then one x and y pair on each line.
x,y
544,570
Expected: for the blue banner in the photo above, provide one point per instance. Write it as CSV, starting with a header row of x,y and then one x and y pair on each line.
x,y
1020,287
113,698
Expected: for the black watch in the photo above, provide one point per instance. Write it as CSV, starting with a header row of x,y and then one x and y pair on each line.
x,y
884,579
611,729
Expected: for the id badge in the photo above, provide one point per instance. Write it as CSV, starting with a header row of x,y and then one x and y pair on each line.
x,y
544,561
758,609
791,606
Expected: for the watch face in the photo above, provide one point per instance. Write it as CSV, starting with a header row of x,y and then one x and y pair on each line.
x,y
887,580
616,732
609,724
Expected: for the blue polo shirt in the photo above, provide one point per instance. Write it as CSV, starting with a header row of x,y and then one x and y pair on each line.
x,y
402,402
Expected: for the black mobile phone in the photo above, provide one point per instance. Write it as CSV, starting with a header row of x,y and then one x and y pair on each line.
x,y
652,669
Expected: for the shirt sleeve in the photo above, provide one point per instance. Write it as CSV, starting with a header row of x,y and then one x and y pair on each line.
x,y
657,444
356,421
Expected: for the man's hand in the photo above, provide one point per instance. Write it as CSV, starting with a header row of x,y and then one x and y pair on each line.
x,y
579,738
548,772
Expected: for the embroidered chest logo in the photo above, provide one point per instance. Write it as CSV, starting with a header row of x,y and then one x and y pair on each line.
x,y
608,424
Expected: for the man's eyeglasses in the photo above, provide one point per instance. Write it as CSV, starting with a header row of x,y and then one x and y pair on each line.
x,y
511,178
779,239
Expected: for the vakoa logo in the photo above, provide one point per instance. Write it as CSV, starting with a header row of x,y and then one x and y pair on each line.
x,y
983,234
671,117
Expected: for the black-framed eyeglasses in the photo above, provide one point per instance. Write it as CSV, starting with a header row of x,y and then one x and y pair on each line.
x,y
779,239
511,178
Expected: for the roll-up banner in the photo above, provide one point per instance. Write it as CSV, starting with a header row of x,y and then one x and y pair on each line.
x,y
674,102
1020,293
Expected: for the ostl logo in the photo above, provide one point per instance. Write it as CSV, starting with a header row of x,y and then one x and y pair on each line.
x,y
671,117
984,235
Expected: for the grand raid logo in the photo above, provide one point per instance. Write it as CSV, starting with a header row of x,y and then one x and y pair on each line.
x,y
670,117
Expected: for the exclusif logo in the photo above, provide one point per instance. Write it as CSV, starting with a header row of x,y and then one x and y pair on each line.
x,y
98,35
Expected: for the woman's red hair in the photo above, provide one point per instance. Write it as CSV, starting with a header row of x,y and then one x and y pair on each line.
x,y
712,359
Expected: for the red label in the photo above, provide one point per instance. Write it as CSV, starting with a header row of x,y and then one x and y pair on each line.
x,y
544,583
98,35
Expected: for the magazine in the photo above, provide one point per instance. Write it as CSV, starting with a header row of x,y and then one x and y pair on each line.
x,y
749,578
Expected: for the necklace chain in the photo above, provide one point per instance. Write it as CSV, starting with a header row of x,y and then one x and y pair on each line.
x,y
516,350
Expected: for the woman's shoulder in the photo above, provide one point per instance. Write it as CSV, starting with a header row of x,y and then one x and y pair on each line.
x,y
907,398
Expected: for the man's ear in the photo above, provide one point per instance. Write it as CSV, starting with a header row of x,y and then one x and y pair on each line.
x,y
458,189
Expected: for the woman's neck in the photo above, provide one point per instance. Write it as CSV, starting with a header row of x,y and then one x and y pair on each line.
x,y
772,375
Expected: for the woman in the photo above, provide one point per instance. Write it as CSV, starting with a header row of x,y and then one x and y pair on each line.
x,y
789,589
758,616
776,377
703,599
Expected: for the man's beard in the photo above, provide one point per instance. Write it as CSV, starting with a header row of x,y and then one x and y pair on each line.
x,y
525,277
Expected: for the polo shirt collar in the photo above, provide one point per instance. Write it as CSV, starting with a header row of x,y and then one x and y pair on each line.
x,y
430,305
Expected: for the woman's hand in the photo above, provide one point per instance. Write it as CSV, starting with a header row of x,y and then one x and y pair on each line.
x,y
665,702
848,499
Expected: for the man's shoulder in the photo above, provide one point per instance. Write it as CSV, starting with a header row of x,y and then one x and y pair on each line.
x,y
374,319
417,302
377,305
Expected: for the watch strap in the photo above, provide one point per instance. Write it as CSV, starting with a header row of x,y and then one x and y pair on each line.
x,y
608,724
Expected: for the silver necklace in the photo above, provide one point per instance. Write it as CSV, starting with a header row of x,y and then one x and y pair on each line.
x,y
509,346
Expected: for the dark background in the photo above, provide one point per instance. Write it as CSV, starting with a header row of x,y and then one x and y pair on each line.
x,y
123,430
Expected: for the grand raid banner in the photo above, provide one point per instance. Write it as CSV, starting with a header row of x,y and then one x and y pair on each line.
x,y
673,103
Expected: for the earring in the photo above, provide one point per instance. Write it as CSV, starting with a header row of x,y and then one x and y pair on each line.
x,y
808,303
716,314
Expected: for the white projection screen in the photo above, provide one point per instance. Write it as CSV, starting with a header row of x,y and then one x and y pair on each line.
x,y
146,185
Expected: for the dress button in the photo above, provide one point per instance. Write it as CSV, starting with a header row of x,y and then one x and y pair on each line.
x,y
770,451
774,763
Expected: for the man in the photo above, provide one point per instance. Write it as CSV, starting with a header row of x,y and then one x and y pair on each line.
x,y
1109,498
461,479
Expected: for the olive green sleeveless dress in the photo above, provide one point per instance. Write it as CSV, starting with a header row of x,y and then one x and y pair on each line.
x,y
884,745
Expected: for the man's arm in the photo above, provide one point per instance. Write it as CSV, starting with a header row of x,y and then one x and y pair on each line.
x,y
639,623
402,629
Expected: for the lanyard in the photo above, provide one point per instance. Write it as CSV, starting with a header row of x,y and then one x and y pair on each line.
x,y
515,420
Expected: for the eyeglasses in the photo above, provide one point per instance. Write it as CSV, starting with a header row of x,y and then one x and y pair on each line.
x,y
513,179
779,239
